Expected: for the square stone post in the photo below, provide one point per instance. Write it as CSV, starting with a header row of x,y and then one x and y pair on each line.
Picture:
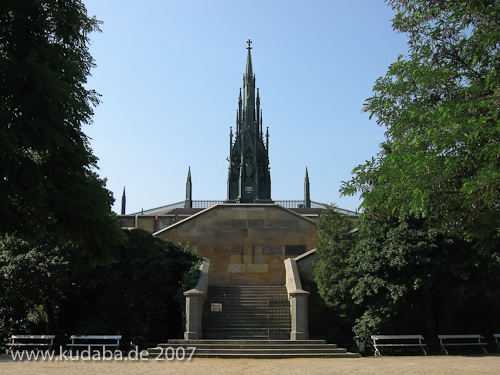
x,y
298,305
194,304
298,302
194,314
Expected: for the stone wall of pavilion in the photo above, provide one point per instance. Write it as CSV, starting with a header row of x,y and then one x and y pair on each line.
x,y
246,243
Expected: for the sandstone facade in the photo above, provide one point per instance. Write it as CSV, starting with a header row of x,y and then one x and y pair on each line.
x,y
246,243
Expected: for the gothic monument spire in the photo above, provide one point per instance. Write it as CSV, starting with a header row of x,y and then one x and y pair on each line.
x,y
249,178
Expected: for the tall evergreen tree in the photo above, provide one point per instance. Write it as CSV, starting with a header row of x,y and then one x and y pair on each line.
x,y
48,183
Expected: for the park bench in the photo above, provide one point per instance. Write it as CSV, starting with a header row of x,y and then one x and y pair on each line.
x,y
461,340
398,341
17,342
87,341
497,339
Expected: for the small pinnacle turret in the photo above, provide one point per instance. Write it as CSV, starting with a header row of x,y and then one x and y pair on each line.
x,y
188,203
123,202
307,191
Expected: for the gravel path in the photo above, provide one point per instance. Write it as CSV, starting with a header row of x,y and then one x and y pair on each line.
x,y
418,365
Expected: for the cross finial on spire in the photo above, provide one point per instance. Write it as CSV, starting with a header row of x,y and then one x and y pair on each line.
x,y
249,42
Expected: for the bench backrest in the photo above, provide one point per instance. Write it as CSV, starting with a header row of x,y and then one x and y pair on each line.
x,y
48,337
475,336
95,337
397,337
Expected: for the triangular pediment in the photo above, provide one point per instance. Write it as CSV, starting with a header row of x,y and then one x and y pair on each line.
x,y
234,216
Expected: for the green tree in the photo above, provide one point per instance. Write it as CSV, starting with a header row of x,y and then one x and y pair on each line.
x,y
52,289
141,295
48,184
440,105
35,280
337,241
404,276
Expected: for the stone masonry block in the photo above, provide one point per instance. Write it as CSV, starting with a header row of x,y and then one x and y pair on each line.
x,y
273,223
294,232
127,221
256,214
146,222
247,259
265,232
221,250
273,214
234,259
235,213
236,268
222,223
257,268
230,232
272,250
259,259
256,223
239,223
291,223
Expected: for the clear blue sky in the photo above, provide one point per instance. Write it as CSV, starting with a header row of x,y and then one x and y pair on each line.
x,y
169,73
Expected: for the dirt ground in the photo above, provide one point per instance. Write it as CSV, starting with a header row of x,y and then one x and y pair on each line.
x,y
388,365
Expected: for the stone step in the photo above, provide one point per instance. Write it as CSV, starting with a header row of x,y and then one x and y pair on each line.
x,y
249,287
248,291
241,321
254,349
248,342
248,297
281,291
254,344
247,313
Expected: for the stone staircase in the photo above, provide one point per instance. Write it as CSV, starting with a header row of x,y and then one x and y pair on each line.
x,y
247,322
247,313
273,349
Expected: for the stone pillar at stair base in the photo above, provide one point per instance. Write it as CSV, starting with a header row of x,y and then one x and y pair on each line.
x,y
298,302
194,304
194,314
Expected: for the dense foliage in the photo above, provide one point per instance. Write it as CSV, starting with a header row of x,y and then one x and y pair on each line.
x,y
402,276
48,184
425,256
48,288
440,106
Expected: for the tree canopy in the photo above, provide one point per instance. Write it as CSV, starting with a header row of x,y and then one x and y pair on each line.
x,y
48,183
425,255
49,288
440,106
402,275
